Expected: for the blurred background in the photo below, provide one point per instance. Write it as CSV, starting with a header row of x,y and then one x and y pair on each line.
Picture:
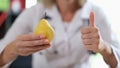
x,y
10,9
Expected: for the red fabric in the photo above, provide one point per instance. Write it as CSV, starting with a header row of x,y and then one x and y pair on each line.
x,y
22,2
2,18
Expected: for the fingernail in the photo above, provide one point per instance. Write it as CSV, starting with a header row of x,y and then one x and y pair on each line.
x,y
42,36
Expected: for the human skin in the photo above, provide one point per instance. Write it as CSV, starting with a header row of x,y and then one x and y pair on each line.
x,y
90,35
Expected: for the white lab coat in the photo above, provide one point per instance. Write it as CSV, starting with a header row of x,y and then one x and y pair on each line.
x,y
68,44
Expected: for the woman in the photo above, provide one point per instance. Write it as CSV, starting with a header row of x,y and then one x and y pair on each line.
x,y
70,47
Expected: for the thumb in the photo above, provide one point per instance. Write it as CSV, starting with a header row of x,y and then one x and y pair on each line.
x,y
91,18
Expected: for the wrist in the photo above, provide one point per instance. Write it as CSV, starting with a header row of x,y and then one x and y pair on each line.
x,y
109,56
106,49
8,55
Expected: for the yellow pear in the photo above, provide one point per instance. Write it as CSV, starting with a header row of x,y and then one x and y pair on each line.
x,y
44,28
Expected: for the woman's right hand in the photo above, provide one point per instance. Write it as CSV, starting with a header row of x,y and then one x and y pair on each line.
x,y
24,45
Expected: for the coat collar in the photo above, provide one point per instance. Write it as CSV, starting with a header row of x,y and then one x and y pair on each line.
x,y
75,24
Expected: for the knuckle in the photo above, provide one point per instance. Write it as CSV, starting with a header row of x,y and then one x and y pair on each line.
x,y
86,36
96,47
25,53
19,37
37,49
93,29
96,30
36,42
96,35
82,36
84,30
97,42
17,44
32,43
84,41
31,36
39,42
22,51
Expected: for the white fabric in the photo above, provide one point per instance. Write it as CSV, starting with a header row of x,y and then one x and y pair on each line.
x,y
71,52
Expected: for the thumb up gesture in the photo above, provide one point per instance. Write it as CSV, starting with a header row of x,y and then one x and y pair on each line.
x,y
91,37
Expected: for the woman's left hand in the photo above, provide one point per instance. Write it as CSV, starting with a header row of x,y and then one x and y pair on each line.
x,y
91,37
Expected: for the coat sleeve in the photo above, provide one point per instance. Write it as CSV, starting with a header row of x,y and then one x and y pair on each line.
x,y
22,25
103,23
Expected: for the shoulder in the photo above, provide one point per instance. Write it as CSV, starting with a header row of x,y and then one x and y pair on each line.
x,y
34,10
30,16
99,10
92,6
101,17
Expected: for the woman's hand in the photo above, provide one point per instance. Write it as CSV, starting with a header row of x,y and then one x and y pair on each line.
x,y
91,37
24,45
93,42
29,44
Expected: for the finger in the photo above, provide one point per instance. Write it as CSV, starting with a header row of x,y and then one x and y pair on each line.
x,y
37,48
86,36
85,30
89,47
94,29
93,41
35,43
90,36
30,37
27,51
87,42
91,19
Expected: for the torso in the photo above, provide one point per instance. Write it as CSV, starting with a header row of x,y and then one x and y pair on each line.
x,y
68,44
